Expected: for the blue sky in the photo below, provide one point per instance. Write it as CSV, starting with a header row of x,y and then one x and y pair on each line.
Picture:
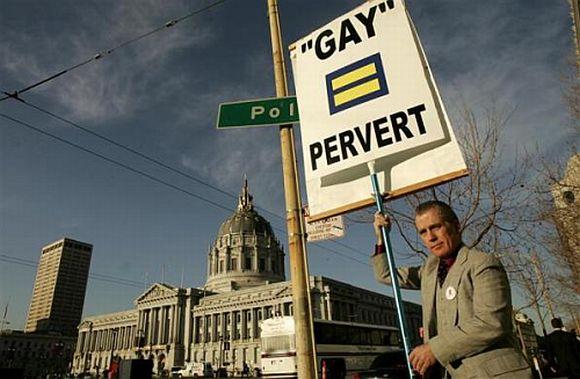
x,y
160,96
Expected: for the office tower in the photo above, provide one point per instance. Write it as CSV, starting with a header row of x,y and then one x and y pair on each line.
x,y
59,288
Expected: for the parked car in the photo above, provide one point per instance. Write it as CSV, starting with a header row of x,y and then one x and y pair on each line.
x,y
175,371
391,365
196,370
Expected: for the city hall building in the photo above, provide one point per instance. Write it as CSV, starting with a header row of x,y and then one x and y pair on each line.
x,y
220,323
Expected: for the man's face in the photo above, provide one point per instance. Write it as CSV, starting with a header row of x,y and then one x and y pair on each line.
x,y
442,238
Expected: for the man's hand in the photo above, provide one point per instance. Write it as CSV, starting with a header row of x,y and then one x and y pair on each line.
x,y
422,358
381,220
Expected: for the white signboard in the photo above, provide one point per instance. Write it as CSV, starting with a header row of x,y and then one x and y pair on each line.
x,y
366,94
328,228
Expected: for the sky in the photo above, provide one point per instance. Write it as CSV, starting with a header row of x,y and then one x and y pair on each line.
x,y
159,95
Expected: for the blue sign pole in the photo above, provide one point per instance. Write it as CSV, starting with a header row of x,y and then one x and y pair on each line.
x,y
394,276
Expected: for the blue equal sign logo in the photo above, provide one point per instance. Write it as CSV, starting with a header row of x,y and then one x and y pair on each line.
x,y
356,83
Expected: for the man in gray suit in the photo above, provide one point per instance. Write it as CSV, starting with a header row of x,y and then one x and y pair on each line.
x,y
467,309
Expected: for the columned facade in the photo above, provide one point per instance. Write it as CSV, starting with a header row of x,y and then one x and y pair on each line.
x,y
102,337
172,325
220,323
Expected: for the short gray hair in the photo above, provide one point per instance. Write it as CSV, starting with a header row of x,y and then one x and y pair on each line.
x,y
444,209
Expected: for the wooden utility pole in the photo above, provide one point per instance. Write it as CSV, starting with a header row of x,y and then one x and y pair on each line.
x,y
300,287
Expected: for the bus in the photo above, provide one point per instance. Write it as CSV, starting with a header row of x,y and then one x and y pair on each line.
x,y
342,348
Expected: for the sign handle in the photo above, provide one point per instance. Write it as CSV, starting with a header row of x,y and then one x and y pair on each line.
x,y
393,270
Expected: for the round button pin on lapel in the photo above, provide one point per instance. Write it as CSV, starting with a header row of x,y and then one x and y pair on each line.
x,y
450,293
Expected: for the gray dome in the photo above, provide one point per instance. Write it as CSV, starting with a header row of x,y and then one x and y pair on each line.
x,y
246,252
246,221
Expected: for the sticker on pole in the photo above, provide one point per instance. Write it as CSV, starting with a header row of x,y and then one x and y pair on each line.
x,y
366,94
325,229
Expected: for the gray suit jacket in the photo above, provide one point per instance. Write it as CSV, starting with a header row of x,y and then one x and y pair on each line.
x,y
475,339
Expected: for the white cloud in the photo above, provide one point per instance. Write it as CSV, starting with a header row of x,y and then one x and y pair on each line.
x,y
117,84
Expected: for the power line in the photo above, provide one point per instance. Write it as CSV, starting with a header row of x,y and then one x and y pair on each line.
x,y
155,179
341,254
92,275
136,152
15,95
116,163
102,54
161,164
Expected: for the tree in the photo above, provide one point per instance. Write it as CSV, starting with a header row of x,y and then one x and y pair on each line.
x,y
558,231
488,202
491,203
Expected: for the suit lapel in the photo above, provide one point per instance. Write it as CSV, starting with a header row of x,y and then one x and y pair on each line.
x,y
429,282
451,286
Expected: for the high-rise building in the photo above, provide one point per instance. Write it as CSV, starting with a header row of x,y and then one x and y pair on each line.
x,y
59,288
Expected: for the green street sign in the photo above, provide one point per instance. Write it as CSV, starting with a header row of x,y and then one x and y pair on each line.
x,y
274,111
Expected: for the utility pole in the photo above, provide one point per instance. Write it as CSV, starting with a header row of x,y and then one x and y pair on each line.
x,y
300,288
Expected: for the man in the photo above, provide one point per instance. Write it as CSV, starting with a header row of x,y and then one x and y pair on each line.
x,y
563,348
466,302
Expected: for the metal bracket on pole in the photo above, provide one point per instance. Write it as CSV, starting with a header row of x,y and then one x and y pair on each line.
x,y
393,271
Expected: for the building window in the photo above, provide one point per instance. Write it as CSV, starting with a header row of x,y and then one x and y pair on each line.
x,y
288,311
234,264
268,312
262,266
248,265
221,266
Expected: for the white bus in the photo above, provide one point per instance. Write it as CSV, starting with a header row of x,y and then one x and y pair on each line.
x,y
342,348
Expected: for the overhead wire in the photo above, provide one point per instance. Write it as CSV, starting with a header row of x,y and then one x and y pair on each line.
x,y
168,24
161,164
148,176
92,275
135,152
114,162
16,96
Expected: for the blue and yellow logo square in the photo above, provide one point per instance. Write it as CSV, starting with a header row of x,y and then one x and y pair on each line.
x,y
356,83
